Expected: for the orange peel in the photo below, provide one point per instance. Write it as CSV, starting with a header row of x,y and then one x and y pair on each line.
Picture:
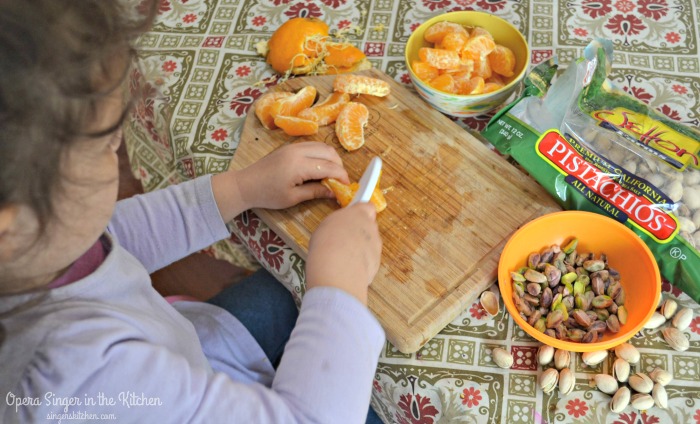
x,y
345,192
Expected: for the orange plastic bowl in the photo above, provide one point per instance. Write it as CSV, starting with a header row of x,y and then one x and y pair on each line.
x,y
627,253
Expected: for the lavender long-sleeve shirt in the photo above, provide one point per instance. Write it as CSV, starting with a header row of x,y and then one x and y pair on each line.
x,y
110,344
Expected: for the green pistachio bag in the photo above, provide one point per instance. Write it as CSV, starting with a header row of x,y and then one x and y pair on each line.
x,y
595,148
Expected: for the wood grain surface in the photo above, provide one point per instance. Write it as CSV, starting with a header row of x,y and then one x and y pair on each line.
x,y
452,205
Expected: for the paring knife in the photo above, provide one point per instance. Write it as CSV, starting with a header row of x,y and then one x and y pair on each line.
x,y
368,182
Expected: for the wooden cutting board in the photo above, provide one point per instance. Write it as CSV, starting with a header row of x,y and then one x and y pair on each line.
x,y
452,205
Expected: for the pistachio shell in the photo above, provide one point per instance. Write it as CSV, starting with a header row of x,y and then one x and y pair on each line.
x,y
567,381
668,308
683,319
594,358
641,383
545,354
606,383
675,338
658,393
620,400
661,376
642,401
655,321
502,357
562,359
621,370
548,380
627,352
489,301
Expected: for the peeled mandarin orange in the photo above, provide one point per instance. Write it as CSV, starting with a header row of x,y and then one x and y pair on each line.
x,y
480,44
474,86
361,84
327,111
292,46
438,31
482,68
465,66
344,57
296,126
345,192
454,41
292,105
444,82
439,58
479,31
491,86
263,107
502,61
349,127
423,71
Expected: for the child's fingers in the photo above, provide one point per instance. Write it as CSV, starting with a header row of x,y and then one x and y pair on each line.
x,y
310,191
318,169
319,150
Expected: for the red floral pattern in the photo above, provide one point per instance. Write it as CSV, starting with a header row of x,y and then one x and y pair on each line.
x,y
416,410
189,18
304,10
243,71
344,24
272,248
405,78
247,223
219,135
477,311
492,6
169,66
625,25
577,408
639,93
377,386
581,32
471,397
697,416
631,418
695,325
436,4
669,288
596,8
653,9
334,4
673,37
671,113
624,6
680,89
242,101
259,20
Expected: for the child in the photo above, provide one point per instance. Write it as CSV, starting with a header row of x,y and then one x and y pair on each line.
x,y
84,335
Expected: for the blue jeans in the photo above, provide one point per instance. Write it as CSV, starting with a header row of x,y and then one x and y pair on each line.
x,y
269,313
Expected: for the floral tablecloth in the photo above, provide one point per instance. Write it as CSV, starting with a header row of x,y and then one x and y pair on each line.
x,y
199,73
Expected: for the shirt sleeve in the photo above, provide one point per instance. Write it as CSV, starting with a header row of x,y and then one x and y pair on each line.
x,y
166,225
325,375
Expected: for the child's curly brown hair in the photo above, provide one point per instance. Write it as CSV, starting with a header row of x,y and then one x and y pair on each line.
x,y
55,56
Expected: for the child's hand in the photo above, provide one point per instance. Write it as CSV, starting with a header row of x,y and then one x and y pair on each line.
x,y
345,251
285,177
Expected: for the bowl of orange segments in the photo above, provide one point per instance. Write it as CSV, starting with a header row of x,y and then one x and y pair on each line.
x,y
466,63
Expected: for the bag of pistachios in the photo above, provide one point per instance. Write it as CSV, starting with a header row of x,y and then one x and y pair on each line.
x,y
595,148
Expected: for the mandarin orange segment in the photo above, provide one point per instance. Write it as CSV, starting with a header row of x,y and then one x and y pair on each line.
x,y
438,31
480,44
292,105
361,84
263,107
454,41
482,68
479,31
502,61
439,58
345,192
296,126
474,86
327,111
349,127
465,66
491,87
423,71
444,82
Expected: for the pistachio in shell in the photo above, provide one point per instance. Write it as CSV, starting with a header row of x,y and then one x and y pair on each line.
x,y
658,393
668,308
627,352
620,400
621,370
489,301
641,383
642,401
545,354
562,359
567,381
683,319
594,358
502,357
676,339
660,376
606,383
548,380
